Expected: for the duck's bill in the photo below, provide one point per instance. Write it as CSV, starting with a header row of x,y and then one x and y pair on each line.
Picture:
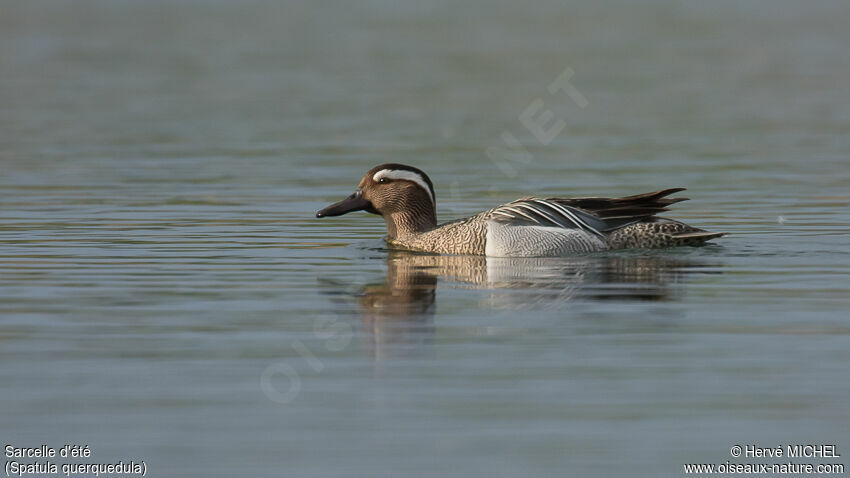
x,y
355,202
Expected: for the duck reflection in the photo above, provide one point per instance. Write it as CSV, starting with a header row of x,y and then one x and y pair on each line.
x,y
400,310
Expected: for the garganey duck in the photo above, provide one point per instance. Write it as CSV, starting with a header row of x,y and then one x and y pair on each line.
x,y
528,227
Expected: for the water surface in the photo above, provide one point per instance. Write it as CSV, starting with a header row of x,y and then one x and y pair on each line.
x,y
166,293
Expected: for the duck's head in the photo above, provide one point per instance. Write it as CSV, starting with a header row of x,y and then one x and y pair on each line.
x,y
402,194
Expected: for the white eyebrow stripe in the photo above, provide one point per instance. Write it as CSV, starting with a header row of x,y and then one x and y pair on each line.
x,y
402,174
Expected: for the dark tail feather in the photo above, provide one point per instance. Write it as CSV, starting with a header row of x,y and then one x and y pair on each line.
x,y
653,195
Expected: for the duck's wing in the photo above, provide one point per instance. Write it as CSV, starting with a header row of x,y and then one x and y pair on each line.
x,y
546,213
619,212
591,214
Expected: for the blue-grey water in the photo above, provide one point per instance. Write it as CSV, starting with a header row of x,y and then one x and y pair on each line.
x,y
167,295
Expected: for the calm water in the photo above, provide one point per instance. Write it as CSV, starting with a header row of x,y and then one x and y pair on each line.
x,y
167,295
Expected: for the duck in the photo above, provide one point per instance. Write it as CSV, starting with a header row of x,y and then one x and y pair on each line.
x,y
528,227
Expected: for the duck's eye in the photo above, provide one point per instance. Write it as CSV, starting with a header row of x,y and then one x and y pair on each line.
x,y
383,180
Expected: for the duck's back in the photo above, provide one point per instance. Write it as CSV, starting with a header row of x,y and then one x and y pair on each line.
x,y
494,234
535,227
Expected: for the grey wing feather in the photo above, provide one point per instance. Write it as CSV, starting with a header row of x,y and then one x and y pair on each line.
x,y
596,215
544,212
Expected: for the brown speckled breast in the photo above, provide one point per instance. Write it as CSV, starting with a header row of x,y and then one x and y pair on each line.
x,y
464,236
